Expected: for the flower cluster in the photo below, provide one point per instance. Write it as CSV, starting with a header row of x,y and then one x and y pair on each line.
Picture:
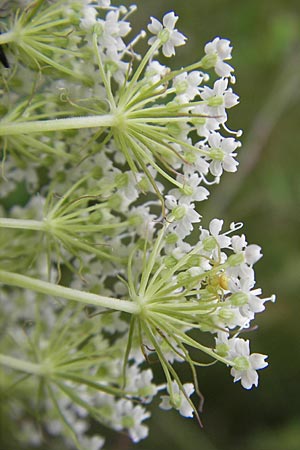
x,y
106,155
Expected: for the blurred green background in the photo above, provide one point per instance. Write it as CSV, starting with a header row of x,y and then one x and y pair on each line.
x,y
265,195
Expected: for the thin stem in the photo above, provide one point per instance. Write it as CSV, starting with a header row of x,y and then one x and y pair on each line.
x,y
7,37
23,224
69,123
172,325
104,77
43,287
150,264
129,93
24,366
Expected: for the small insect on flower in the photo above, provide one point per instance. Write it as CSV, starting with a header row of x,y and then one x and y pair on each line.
x,y
223,281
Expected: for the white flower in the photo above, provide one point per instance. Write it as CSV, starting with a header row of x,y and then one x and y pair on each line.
x,y
126,188
104,3
191,190
184,226
251,255
181,250
132,418
155,72
171,202
186,86
112,31
165,32
178,400
238,243
246,365
140,382
204,125
220,240
95,442
230,317
218,99
89,18
246,298
143,220
183,216
221,49
222,152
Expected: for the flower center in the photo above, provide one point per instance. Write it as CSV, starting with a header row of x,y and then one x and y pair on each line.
x,y
241,363
217,100
164,35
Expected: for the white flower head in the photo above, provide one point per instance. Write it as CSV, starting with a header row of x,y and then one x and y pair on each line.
x,y
167,35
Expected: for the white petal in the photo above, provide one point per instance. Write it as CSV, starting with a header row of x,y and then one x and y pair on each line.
x,y
230,99
249,378
215,226
215,139
216,168
155,26
220,86
169,20
257,361
230,164
224,48
253,253
177,38
165,402
168,49
223,69
211,47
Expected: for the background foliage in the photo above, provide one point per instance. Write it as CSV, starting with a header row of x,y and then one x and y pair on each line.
x,y
265,195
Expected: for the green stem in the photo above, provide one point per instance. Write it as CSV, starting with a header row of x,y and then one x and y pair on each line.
x,y
44,287
7,37
23,224
69,123
24,366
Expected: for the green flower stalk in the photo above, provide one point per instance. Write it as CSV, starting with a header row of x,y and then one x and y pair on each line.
x,y
41,33
148,114
106,155
167,302
75,222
